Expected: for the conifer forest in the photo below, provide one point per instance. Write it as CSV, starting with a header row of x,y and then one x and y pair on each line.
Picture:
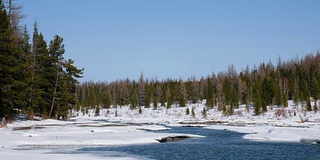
x,y
264,85
36,79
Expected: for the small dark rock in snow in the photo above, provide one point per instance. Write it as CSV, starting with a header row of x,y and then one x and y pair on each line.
x,y
310,141
173,139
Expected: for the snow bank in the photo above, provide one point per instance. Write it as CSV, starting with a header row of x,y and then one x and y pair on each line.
x,y
41,139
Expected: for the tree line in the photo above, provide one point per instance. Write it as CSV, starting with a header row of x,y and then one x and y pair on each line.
x,y
35,76
256,88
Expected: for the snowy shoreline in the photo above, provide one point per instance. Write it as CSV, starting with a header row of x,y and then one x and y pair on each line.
x,y
60,139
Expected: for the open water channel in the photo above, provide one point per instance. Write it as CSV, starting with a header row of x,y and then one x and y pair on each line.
x,y
218,144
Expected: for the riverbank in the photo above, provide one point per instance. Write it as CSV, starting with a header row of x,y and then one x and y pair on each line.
x,y
41,139
121,126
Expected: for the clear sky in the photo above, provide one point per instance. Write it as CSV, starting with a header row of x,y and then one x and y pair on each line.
x,y
117,39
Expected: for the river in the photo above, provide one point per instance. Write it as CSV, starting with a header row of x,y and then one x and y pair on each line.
x,y
217,144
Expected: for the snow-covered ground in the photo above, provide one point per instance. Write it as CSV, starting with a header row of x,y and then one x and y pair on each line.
x,y
121,126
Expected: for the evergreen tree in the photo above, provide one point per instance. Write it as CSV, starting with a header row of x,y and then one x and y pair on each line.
x,y
228,96
204,112
140,110
309,108
148,96
142,91
194,90
209,97
72,73
155,103
169,98
56,51
38,100
182,93
97,111
257,98
192,112
315,88
133,98
295,97
11,82
187,111
315,107
163,97
107,101
5,49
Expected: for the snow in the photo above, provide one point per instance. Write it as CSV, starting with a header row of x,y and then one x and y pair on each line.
x,y
60,139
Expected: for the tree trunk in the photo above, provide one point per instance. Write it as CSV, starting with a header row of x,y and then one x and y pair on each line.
x,y
54,94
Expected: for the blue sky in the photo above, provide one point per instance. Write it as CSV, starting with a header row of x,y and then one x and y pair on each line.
x,y
118,39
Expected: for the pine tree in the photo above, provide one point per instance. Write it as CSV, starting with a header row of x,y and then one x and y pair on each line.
x,y
155,103
5,48
315,107
133,98
192,112
228,96
309,108
163,97
187,111
148,96
97,111
182,94
204,113
106,101
140,110
257,98
169,98
295,96
195,91
71,74
209,97
11,82
315,88
37,98
141,91
56,51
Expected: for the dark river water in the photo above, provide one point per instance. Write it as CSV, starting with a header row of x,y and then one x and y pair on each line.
x,y
218,144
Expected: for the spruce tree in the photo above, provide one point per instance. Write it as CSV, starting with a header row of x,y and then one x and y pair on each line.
x,y
106,101
148,95
141,91
97,111
72,73
257,98
187,111
204,112
39,98
5,50
155,103
227,96
12,81
182,93
315,89
169,98
209,94
315,107
192,112
133,98
140,110
194,91
309,108
56,51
